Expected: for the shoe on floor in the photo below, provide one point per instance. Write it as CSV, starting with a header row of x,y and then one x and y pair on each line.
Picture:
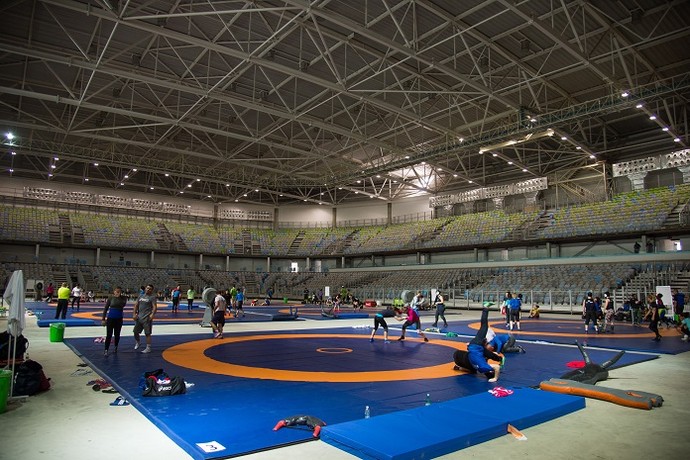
x,y
401,339
136,346
105,353
425,339
146,350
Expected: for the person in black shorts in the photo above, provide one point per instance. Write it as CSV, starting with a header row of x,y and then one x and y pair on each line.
x,y
589,313
218,320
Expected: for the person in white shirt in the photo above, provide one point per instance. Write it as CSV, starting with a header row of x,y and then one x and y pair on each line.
x,y
218,320
76,296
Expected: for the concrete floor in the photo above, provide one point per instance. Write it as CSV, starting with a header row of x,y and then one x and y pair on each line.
x,y
72,421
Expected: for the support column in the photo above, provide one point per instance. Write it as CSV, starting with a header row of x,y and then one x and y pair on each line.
x,y
152,259
499,202
308,266
637,180
37,252
201,261
98,257
685,170
389,214
268,264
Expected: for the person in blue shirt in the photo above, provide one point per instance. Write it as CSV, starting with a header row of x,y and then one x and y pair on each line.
x,y
685,326
475,358
514,305
239,301
176,293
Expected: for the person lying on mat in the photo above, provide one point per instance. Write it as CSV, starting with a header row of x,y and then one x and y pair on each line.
x,y
475,358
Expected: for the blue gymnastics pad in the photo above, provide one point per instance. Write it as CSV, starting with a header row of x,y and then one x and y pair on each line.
x,y
447,427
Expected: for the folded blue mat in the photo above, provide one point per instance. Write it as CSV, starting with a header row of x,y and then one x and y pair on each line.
x,y
67,322
446,427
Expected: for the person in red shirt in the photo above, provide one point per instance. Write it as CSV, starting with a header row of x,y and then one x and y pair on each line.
x,y
412,318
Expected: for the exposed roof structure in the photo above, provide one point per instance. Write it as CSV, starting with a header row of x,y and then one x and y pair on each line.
x,y
331,101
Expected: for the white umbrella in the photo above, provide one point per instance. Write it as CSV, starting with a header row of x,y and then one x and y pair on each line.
x,y
14,296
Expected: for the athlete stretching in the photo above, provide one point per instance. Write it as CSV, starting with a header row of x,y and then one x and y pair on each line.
x,y
475,358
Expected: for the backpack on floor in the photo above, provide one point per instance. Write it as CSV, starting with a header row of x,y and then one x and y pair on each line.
x,y
30,379
7,343
167,387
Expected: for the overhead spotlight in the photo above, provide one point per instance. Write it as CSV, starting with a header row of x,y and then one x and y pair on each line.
x,y
339,188
455,175
9,136
50,175
665,128
625,94
524,170
227,185
150,188
13,152
494,154
563,138
126,176
208,196
167,175
423,162
280,194
305,199
95,164
510,162
320,203
481,151
11,170
677,139
181,192
378,176
256,190
638,106
407,157
56,159
135,170
578,148
371,196
321,193
359,181
470,182
356,193
533,120
652,117
244,194
236,201
592,156
461,139
86,179
122,183
198,180
189,185
53,166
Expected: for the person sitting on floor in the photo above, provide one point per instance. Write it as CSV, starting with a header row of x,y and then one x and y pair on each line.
x,y
534,312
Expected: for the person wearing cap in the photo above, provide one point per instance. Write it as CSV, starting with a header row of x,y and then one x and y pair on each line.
x,y
477,354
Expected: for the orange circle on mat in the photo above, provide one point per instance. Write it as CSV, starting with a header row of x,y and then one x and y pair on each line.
x,y
191,355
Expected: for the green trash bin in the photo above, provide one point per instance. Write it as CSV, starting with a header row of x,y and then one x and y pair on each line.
x,y
5,381
57,332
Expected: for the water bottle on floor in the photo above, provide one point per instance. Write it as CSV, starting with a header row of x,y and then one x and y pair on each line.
x,y
427,401
367,412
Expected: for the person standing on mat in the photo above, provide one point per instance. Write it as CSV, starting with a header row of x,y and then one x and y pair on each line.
x,y
220,305
239,302
62,301
440,310
175,297
475,358
653,315
513,311
412,318
190,298
144,311
113,315
589,313
76,296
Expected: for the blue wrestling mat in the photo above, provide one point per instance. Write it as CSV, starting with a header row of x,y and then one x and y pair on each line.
x,y
567,331
245,383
